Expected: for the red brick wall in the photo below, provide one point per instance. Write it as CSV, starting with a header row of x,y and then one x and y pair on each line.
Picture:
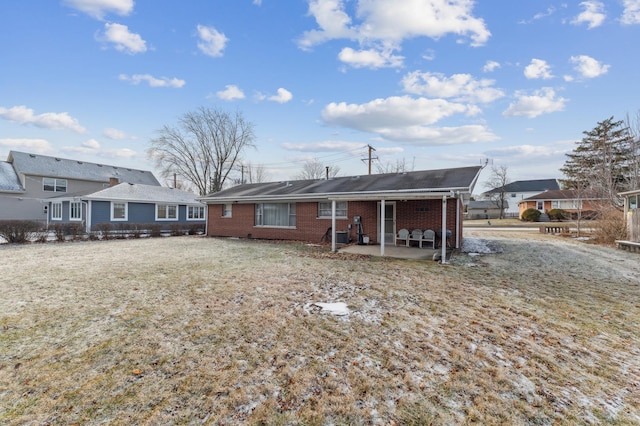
x,y
423,214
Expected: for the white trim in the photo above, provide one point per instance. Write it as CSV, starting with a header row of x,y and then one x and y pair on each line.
x,y
59,204
75,219
167,219
126,211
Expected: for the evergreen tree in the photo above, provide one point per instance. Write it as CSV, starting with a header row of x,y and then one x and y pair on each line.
x,y
602,161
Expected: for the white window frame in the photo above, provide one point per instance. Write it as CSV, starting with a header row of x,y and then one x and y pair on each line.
x,y
78,205
324,209
227,210
291,215
191,213
56,211
167,209
126,211
58,185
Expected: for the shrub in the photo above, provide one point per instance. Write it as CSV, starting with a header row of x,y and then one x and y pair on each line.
x,y
104,230
19,231
610,226
176,229
155,229
196,228
558,214
531,215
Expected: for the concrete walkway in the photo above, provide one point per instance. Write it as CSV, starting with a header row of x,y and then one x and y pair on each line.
x,y
399,252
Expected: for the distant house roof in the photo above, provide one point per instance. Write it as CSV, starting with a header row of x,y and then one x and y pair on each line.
x,y
486,204
9,181
144,194
528,186
564,194
42,165
419,184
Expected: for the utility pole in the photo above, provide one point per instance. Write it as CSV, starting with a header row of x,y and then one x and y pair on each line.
x,y
371,157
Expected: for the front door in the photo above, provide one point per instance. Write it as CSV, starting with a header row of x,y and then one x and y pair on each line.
x,y
389,222
540,206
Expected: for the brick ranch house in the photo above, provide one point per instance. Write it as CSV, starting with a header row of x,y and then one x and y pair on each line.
x,y
345,209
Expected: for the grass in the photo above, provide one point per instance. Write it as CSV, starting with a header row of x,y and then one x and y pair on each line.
x,y
188,330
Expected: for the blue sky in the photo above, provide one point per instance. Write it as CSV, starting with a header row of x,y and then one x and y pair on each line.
x,y
433,83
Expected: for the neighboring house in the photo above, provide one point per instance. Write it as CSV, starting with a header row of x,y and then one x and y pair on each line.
x,y
572,201
28,180
517,191
485,209
128,206
632,215
345,208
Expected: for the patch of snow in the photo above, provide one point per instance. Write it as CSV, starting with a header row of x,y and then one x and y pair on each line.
x,y
477,246
337,308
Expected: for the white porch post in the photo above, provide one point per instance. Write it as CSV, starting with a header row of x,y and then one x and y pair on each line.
x,y
458,221
382,227
333,226
444,230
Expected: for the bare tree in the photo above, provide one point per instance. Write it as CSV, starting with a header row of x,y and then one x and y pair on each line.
x,y
251,173
497,181
203,148
634,130
400,166
314,169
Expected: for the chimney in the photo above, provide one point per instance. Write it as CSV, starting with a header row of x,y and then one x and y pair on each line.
x,y
113,181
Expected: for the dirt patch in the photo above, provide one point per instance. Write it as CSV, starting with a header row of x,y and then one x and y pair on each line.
x,y
217,331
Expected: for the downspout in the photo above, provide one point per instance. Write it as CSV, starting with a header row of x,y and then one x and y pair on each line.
x,y
382,230
458,220
86,216
89,205
443,243
333,226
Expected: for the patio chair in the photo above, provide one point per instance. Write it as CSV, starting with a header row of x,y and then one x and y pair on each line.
x,y
416,235
403,234
429,236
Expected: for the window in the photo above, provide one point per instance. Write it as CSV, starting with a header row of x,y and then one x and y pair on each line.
x,y
118,211
276,214
56,211
75,210
54,185
324,209
226,210
513,195
166,212
195,212
633,202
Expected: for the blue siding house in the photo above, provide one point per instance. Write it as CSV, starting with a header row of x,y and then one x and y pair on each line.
x,y
129,206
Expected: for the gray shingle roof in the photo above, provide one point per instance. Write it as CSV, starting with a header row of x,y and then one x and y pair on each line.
x,y
42,165
459,179
564,194
144,193
9,179
528,186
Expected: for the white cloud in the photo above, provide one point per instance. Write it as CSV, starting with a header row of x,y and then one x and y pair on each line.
x,y
124,40
38,146
593,14
631,13
152,81
325,146
48,120
116,134
212,42
98,8
384,24
407,119
462,87
230,93
538,68
91,143
430,136
282,97
491,66
369,58
588,67
542,101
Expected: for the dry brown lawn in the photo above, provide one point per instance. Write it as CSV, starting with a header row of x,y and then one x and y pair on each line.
x,y
193,330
